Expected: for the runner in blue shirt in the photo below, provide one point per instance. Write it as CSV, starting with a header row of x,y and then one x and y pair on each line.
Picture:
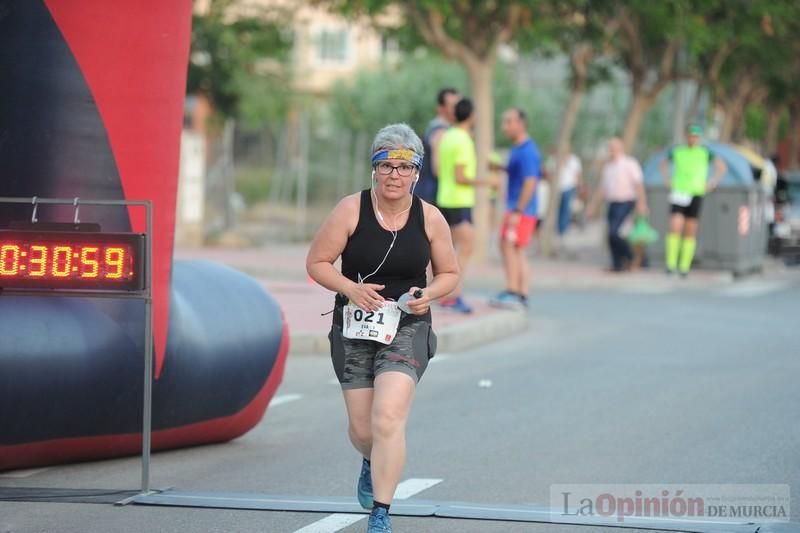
x,y
519,222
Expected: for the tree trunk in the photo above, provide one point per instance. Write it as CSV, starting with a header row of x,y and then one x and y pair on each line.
x,y
734,107
734,117
794,137
773,125
739,128
480,77
726,130
732,113
694,108
563,150
633,122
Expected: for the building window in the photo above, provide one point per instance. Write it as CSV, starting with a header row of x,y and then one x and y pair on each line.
x,y
390,47
333,46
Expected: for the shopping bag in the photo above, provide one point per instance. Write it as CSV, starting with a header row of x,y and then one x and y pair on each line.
x,y
642,233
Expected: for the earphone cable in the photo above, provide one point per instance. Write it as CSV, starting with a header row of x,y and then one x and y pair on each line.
x,y
393,232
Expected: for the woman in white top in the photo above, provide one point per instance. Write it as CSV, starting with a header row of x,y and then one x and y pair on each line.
x,y
569,181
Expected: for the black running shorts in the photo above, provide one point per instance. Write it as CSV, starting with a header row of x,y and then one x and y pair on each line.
x,y
689,211
456,215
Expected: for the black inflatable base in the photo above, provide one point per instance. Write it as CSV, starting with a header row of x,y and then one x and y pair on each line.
x,y
421,508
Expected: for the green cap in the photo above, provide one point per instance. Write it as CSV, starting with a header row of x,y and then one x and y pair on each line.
x,y
695,129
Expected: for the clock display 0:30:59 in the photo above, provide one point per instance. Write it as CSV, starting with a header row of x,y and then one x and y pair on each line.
x,y
76,261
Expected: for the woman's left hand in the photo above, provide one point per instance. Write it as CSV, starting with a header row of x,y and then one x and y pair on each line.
x,y
418,306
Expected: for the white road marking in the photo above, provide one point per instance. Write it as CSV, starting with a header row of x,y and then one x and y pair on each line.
x,y
439,357
337,522
331,523
20,474
284,398
647,289
753,288
413,486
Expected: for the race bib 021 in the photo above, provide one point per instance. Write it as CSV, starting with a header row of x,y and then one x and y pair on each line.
x,y
379,326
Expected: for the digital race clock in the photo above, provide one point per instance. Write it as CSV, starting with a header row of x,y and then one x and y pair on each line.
x,y
35,259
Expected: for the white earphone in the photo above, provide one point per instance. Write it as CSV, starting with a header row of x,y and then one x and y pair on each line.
x,y
380,216
377,209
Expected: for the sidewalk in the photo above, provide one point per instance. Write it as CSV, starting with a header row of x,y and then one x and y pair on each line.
x,y
581,263
281,270
304,302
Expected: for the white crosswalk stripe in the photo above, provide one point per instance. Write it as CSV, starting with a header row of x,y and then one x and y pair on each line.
x,y
439,357
334,522
648,289
751,289
284,398
339,521
22,474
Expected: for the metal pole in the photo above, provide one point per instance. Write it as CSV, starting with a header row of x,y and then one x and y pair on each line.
x,y
147,410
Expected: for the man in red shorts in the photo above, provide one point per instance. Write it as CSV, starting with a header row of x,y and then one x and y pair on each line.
x,y
523,171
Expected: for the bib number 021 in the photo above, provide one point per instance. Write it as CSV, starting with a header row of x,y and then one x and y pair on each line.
x,y
369,316
379,326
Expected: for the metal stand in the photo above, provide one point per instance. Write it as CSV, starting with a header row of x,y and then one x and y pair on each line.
x,y
440,509
146,294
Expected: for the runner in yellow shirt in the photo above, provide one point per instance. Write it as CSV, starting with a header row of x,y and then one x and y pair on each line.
x,y
456,194
688,184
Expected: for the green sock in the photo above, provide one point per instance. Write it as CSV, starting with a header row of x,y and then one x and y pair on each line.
x,y
673,246
687,253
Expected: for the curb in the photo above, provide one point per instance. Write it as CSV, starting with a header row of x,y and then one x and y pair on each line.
x,y
616,282
468,334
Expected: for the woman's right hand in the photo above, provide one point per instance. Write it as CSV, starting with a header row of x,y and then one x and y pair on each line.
x,y
365,296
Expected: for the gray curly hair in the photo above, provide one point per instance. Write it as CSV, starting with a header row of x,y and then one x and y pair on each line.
x,y
397,136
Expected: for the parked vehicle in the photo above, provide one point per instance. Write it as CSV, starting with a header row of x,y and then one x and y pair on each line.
x,y
785,235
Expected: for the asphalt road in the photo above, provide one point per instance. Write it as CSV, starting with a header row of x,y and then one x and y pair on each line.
x,y
642,386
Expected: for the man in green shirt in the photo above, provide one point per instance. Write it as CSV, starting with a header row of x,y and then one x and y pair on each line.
x,y
455,197
688,184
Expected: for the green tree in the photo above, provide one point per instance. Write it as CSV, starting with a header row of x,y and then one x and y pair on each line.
x,y
734,81
469,32
238,61
719,24
580,30
367,102
742,53
750,57
651,33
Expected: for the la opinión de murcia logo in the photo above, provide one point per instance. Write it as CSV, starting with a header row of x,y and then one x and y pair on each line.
x,y
731,502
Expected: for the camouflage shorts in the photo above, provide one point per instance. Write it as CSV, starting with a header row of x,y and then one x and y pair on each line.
x,y
357,362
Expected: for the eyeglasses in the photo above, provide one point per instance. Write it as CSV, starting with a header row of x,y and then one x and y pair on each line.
x,y
404,170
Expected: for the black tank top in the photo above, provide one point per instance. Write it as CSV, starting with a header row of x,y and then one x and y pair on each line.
x,y
406,265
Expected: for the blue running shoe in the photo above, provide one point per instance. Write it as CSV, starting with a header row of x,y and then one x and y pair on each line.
x,y
379,521
458,305
508,300
500,298
364,491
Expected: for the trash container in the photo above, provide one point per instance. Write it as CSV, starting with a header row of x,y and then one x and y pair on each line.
x,y
733,230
